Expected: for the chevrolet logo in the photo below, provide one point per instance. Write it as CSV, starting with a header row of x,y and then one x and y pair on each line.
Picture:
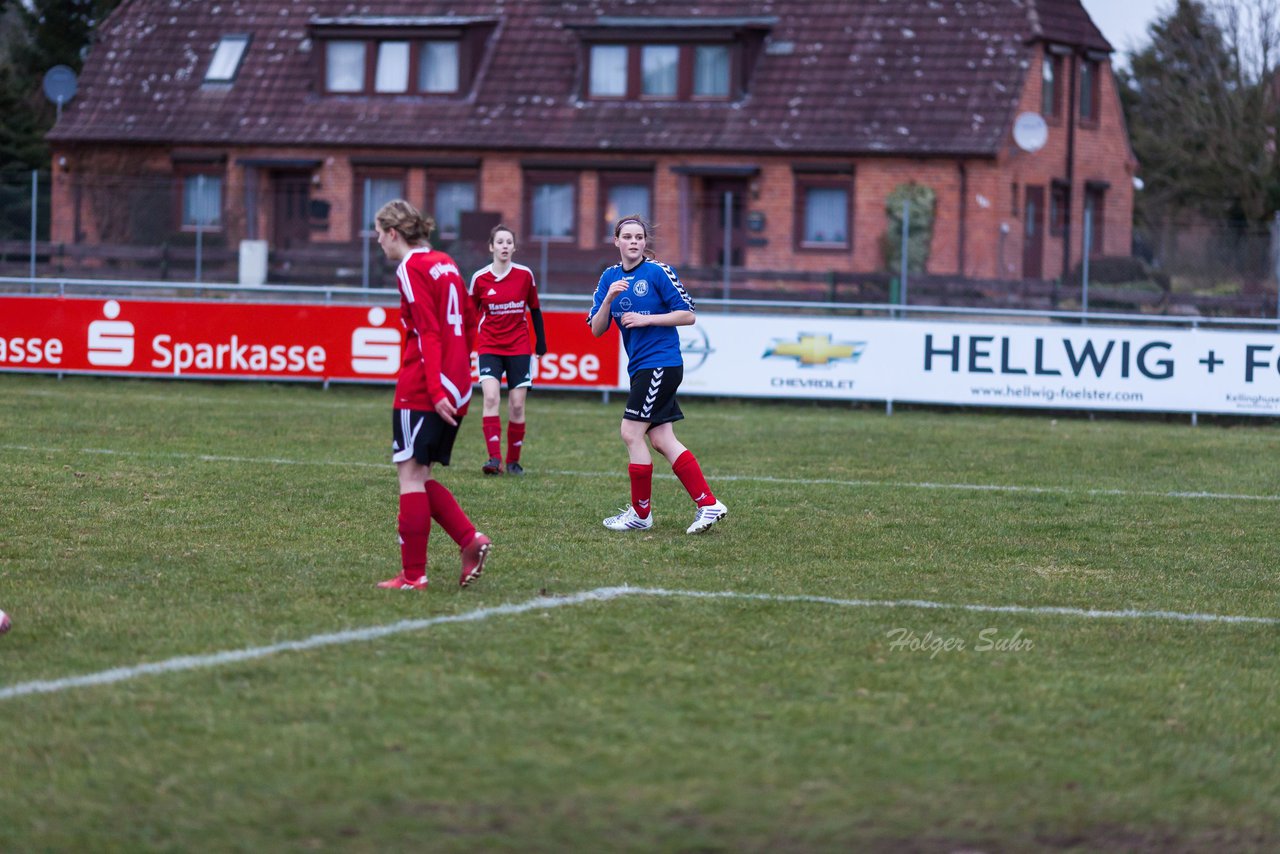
x,y
811,349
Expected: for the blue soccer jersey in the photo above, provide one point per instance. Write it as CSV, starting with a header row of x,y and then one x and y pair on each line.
x,y
654,289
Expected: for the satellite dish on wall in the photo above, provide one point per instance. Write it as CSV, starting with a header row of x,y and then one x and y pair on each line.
x,y
1030,132
59,85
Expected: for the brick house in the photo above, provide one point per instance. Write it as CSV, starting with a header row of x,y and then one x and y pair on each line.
x,y
780,128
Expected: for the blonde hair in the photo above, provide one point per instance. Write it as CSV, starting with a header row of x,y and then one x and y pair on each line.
x,y
405,218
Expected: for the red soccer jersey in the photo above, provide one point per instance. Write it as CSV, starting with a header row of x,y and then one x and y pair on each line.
x,y
439,323
501,303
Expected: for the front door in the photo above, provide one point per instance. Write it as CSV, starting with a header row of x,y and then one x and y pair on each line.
x,y
1033,234
716,193
291,193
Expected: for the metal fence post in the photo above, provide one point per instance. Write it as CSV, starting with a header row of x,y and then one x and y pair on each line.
x,y
201,207
906,238
544,284
364,231
35,184
1084,263
728,240
1275,258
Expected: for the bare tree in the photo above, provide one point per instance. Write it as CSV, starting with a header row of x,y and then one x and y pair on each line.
x,y
1201,101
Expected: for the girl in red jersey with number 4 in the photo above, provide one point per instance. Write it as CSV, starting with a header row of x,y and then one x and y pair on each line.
x,y
432,393
502,292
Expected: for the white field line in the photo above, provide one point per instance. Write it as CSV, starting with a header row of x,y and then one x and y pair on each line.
x,y
793,481
600,594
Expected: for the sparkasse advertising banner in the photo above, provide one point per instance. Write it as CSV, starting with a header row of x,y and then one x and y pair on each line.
x,y
237,340
985,364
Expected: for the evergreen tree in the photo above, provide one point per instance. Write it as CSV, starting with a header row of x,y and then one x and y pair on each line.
x,y
34,38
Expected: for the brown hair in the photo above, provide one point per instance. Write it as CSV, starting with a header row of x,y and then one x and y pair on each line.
x,y
405,218
638,220
493,232
648,232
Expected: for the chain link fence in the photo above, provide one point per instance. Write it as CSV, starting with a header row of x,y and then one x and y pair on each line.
x,y
182,228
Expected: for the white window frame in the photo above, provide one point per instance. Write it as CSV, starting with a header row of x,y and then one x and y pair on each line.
x,y
439,67
227,57
391,76
608,78
703,85
332,69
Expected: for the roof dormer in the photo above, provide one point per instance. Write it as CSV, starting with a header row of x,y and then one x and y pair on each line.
x,y
399,55
670,59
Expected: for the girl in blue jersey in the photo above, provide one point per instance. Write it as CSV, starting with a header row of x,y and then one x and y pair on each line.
x,y
647,301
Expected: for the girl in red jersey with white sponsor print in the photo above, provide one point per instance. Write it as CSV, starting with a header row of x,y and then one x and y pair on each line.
x,y
647,301
502,292
432,393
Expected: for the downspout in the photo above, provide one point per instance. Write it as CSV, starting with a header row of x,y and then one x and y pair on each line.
x,y
964,205
1071,168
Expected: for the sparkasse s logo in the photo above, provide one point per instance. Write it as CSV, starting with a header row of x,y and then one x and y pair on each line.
x,y
812,349
111,340
375,349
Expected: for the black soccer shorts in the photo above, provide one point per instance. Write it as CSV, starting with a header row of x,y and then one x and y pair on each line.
x,y
653,395
519,369
422,436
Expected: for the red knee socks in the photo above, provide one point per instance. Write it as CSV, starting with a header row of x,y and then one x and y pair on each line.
x,y
641,487
689,472
515,440
448,515
492,426
414,525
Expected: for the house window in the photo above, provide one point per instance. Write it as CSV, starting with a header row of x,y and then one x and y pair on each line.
x,y
344,66
826,217
1059,207
373,190
450,198
622,195
438,69
672,72
823,211
1050,86
226,59
399,54
202,201
1095,198
659,70
1089,79
608,71
552,203
711,71
392,74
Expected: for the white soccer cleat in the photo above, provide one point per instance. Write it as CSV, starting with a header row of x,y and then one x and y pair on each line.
x,y
707,516
629,520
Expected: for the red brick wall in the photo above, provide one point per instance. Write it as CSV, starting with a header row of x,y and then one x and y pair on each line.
x,y
992,229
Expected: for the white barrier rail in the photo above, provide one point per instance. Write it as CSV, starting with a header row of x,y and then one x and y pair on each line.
x,y
827,351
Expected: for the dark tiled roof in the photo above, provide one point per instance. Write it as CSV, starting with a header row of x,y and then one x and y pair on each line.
x,y
1066,22
838,77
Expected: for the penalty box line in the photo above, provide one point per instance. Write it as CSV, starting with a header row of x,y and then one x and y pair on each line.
x,y
600,594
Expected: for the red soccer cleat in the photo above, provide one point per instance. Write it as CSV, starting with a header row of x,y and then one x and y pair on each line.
x,y
402,583
473,558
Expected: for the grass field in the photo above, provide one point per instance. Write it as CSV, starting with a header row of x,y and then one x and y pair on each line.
x,y
833,695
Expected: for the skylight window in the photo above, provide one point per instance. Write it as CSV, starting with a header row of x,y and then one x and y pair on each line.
x,y
226,59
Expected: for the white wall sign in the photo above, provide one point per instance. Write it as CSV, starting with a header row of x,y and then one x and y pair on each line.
x,y
1061,366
